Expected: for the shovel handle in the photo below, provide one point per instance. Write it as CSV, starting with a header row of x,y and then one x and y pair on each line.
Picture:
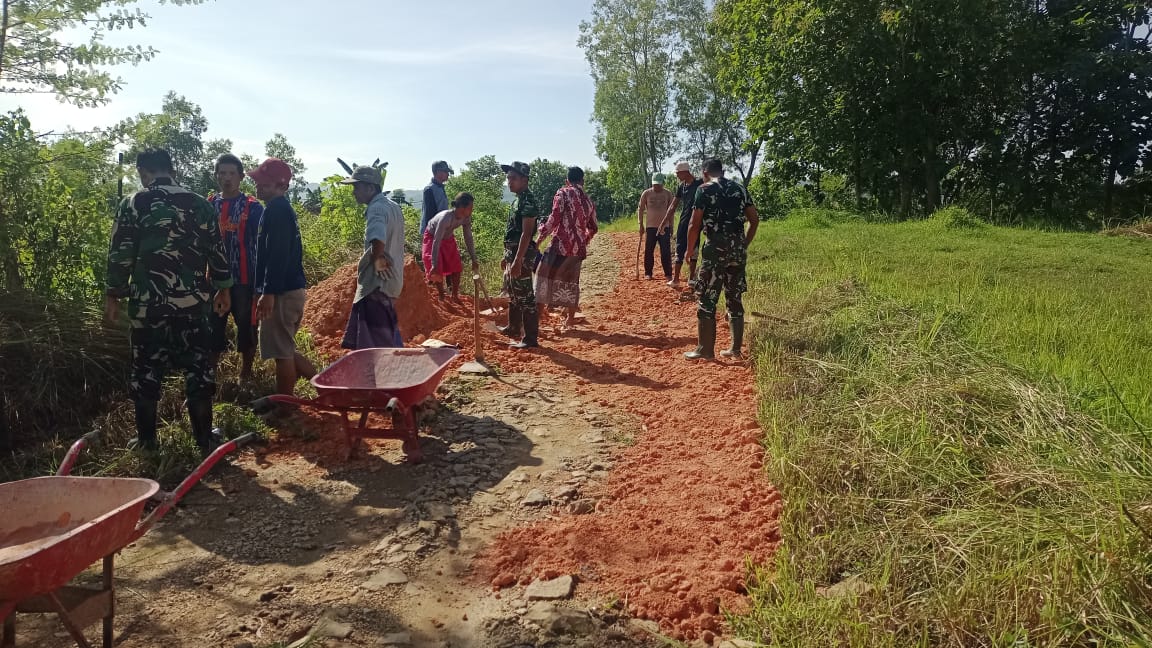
x,y
190,481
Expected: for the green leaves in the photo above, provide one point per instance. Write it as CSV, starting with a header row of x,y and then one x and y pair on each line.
x,y
39,51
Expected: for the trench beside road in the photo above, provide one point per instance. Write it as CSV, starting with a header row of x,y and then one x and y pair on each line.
x,y
602,488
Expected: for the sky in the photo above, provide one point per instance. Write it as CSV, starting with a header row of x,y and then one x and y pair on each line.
x,y
408,82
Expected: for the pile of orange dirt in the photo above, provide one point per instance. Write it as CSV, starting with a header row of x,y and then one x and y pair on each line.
x,y
683,508
330,302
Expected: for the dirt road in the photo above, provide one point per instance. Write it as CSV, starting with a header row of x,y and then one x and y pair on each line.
x,y
600,491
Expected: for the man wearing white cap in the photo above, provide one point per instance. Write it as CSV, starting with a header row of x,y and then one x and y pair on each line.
x,y
685,198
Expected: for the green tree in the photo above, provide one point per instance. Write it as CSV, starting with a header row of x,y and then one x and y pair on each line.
x,y
43,47
179,128
547,178
399,197
485,181
630,46
596,186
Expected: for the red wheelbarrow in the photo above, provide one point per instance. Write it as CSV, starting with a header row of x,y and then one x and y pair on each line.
x,y
53,528
399,383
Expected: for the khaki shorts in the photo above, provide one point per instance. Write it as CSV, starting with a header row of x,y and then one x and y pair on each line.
x,y
278,332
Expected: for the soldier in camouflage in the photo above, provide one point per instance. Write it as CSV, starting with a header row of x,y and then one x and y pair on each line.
x,y
520,259
720,209
163,240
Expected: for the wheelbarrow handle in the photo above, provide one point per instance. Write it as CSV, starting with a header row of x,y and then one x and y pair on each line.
x,y
190,481
69,462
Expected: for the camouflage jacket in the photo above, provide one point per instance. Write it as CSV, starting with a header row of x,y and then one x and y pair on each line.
x,y
723,203
165,242
524,206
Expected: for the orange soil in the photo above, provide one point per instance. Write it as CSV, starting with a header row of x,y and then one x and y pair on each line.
x,y
684,507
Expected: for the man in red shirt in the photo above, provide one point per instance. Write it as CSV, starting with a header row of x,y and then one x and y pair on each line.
x,y
571,226
239,216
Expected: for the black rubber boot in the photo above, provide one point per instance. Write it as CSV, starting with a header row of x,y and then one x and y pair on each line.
x,y
515,328
146,424
706,334
200,416
531,331
737,326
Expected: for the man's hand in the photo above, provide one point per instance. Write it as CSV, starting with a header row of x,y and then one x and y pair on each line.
x,y
382,265
475,267
641,228
111,310
223,302
517,268
436,277
264,307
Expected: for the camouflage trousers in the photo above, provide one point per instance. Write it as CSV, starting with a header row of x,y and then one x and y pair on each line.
x,y
180,343
716,277
521,291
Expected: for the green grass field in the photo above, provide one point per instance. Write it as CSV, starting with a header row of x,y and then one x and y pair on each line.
x,y
957,417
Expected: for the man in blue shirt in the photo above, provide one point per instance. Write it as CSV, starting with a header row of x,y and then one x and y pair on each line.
x,y
279,283
435,199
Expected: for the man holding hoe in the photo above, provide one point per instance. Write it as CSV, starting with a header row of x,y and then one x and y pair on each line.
x,y
720,210
685,198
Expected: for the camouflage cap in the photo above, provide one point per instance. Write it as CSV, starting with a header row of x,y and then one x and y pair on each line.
x,y
364,174
517,167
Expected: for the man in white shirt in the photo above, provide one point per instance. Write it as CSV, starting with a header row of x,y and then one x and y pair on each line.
x,y
380,279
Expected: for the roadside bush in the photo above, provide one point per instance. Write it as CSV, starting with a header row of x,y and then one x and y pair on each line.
x,y
954,217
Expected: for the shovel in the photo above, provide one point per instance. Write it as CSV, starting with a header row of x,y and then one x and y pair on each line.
x,y
476,367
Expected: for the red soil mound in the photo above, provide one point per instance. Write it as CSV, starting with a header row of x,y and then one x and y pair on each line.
x,y
330,302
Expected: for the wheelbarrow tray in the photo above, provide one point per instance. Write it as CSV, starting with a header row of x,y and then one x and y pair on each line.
x,y
364,377
53,528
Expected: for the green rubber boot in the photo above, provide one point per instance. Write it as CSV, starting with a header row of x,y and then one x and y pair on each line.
x,y
737,326
706,334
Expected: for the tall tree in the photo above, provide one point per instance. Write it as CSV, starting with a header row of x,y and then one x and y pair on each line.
x,y
179,128
630,46
43,49
547,178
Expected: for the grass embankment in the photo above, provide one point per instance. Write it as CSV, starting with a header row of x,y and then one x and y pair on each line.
x,y
957,469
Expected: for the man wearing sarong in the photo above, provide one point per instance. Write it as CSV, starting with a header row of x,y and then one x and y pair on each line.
x,y
571,226
380,276
439,250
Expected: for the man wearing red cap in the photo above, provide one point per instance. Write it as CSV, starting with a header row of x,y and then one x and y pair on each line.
x,y
279,283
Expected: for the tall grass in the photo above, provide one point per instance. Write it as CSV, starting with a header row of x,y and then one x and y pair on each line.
x,y
947,481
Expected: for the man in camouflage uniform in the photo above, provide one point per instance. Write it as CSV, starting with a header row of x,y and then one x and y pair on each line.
x,y
520,258
720,210
163,240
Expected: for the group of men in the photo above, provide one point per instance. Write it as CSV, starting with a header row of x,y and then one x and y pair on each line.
x,y
718,208
186,263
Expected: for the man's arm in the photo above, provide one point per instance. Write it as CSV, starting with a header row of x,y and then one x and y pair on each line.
x,y
753,224
470,242
695,227
122,253
376,231
428,209
276,245
441,199
642,209
219,270
529,225
437,240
